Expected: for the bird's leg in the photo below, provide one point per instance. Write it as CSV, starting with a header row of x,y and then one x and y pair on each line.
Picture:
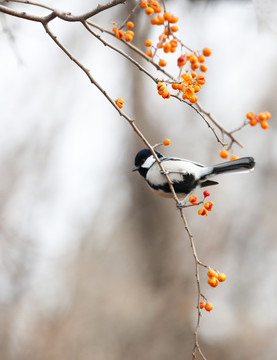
x,y
182,203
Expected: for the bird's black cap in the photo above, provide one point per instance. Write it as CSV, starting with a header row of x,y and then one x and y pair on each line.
x,y
141,156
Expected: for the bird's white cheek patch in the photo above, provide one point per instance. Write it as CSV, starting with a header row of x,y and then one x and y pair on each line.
x,y
148,162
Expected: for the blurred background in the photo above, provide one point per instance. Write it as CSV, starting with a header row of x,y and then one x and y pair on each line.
x,y
93,265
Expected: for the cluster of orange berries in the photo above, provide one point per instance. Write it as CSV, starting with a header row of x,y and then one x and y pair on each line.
x,y
206,305
224,153
190,85
126,35
261,118
208,206
214,278
196,61
168,42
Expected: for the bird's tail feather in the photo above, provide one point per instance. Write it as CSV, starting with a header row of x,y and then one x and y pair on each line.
x,y
234,166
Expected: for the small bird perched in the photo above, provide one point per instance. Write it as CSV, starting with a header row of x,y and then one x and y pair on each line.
x,y
185,175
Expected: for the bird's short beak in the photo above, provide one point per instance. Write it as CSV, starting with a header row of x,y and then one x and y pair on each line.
x,y
135,168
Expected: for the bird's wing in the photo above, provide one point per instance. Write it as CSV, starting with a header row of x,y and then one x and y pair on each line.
x,y
165,158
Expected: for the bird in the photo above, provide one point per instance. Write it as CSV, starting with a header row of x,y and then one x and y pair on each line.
x,y
185,175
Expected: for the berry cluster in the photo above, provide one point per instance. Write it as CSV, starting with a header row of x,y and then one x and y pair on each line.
x,y
124,35
214,278
189,82
251,119
190,85
261,118
206,305
208,205
224,153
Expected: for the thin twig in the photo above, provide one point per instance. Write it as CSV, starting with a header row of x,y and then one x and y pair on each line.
x,y
133,61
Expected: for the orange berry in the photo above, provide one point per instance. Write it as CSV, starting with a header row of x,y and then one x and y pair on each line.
x,y
264,124
202,304
163,37
203,212
166,31
196,88
162,62
130,25
193,59
204,68
158,9
201,79
234,157
212,273
250,115
188,55
253,122
174,28
143,4
174,42
154,20
160,19
130,32
119,34
128,37
173,19
181,61
262,116
149,10
148,42
187,79
268,115
224,153
195,65
193,199
207,51
209,205
167,15
193,99
166,142
209,306
161,86
115,29
193,74
149,53
166,94
119,102
201,58
175,86
221,277
189,91
156,6
213,281
167,47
